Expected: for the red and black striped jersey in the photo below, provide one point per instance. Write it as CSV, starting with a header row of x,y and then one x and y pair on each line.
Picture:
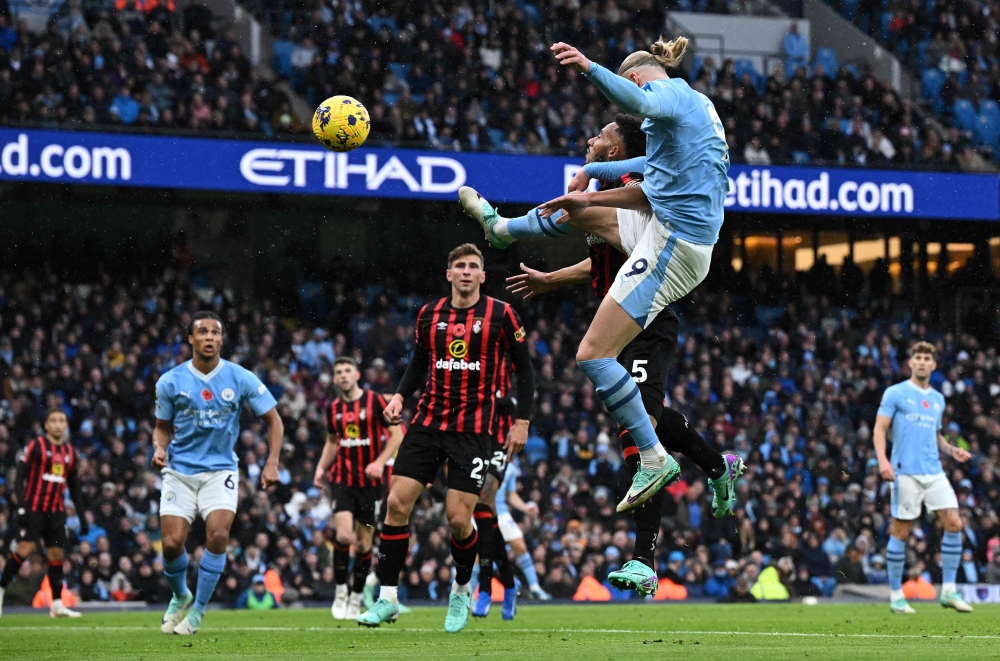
x,y
467,349
362,432
504,410
605,261
48,468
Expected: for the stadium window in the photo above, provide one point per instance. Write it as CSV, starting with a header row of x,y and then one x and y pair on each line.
x,y
995,255
959,254
834,246
758,250
933,255
797,251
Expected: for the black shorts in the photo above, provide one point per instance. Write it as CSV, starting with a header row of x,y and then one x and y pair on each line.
x,y
359,501
424,450
498,453
648,358
48,527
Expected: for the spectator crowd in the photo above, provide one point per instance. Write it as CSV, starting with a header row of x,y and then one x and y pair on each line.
x,y
793,393
114,65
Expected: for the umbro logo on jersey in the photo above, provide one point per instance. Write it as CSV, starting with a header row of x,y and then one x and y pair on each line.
x,y
442,325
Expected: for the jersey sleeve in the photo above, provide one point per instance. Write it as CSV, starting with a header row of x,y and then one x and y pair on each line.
x,y
625,94
328,416
420,335
888,405
256,394
512,329
612,170
164,399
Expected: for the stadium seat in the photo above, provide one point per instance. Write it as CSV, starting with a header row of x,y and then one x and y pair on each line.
x,y
989,107
283,57
496,137
964,114
932,81
399,69
699,62
800,158
884,20
826,58
987,130
745,65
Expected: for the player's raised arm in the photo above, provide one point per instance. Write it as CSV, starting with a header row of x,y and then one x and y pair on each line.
x,y
530,283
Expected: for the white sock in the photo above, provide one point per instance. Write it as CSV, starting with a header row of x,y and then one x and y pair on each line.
x,y
342,589
653,458
500,229
895,595
389,594
461,589
57,603
948,588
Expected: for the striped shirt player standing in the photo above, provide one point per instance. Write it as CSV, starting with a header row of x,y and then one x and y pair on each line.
x,y
912,409
358,445
45,472
460,343
198,407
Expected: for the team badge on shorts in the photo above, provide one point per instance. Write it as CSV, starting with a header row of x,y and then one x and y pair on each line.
x,y
228,395
169,497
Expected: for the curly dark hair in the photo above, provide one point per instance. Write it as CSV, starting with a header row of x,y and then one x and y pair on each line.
x,y
633,137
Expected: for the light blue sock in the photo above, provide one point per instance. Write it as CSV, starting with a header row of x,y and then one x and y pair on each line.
x,y
527,566
951,556
209,571
176,572
620,394
532,224
895,558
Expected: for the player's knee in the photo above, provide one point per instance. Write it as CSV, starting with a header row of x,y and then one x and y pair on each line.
x,y
346,539
586,351
55,554
459,521
396,509
173,545
216,540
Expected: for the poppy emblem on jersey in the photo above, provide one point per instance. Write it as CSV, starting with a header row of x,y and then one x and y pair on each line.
x,y
207,395
228,395
458,349
925,404
352,431
348,417
477,326
458,330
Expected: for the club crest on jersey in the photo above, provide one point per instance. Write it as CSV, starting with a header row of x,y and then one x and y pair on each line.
x,y
228,395
477,325
352,431
207,395
458,330
458,349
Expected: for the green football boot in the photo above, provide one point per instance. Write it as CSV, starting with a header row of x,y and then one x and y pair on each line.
x,y
724,487
458,612
482,212
382,611
647,482
634,575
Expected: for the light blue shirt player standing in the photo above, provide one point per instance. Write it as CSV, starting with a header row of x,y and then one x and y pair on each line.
x,y
912,409
198,406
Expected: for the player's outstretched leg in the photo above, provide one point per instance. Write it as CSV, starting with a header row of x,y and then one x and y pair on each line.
x,y
175,572
638,573
500,231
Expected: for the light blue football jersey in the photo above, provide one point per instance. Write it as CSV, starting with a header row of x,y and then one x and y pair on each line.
x,y
205,410
687,159
508,485
916,420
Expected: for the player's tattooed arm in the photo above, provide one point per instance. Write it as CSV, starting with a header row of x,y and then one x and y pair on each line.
x,y
162,433
530,283
953,451
275,439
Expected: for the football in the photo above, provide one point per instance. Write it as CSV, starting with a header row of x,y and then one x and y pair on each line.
x,y
341,123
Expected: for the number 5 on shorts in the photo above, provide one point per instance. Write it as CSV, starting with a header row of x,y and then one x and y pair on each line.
x,y
639,371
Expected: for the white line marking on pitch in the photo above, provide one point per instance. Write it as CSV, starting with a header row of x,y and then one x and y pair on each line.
x,y
777,634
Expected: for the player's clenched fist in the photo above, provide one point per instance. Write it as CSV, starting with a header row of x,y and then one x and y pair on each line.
x,y
269,475
393,413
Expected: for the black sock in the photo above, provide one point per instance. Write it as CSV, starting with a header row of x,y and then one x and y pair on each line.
x,y
14,562
676,435
647,516
392,550
341,558
56,578
484,545
362,565
463,552
504,570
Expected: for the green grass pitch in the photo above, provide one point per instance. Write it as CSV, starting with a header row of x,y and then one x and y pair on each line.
x,y
568,633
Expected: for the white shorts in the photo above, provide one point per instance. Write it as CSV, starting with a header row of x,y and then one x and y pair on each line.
x,y
508,528
661,268
189,495
909,492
